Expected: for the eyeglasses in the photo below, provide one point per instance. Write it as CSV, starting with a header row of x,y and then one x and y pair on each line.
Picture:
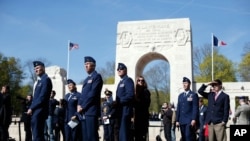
x,y
140,80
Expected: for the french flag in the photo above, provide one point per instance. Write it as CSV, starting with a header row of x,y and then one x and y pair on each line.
x,y
217,42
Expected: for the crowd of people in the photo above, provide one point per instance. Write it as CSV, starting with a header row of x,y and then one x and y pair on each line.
x,y
125,117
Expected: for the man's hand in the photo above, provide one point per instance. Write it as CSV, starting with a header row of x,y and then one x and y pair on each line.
x,y
73,118
193,122
79,109
177,124
29,112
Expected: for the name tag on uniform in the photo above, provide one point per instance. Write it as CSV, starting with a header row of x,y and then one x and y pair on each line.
x,y
75,98
189,99
90,81
122,85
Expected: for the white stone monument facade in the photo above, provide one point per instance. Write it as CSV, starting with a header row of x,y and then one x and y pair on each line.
x,y
139,42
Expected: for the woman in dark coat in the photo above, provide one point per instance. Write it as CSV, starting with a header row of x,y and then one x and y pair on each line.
x,y
141,115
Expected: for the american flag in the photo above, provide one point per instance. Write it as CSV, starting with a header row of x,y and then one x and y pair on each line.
x,y
73,46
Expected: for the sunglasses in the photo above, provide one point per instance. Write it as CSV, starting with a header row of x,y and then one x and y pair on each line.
x,y
120,69
140,80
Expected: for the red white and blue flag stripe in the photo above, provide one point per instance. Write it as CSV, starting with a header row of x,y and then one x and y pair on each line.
x,y
217,42
73,46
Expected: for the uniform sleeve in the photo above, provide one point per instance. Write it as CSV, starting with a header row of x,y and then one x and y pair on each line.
x,y
202,92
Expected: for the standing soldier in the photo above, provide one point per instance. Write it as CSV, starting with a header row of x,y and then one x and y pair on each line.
x,y
187,112
124,98
108,111
90,106
40,104
72,98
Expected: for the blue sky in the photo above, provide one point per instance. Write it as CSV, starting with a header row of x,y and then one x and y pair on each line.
x,y
33,29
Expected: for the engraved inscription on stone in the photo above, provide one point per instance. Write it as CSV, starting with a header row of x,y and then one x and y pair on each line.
x,y
156,34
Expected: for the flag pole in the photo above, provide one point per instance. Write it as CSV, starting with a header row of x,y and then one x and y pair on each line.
x,y
212,54
68,60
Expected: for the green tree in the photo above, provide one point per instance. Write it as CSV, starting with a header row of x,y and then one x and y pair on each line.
x,y
244,65
223,69
11,73
244,68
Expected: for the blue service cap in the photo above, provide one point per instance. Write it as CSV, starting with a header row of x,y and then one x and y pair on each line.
x,y
38,63
107,92
121,66
89,59
185,79
71,81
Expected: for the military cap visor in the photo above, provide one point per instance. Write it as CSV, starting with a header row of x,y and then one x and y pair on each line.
x,y
38,63
89,59
185,79
121,66
69,81
107,92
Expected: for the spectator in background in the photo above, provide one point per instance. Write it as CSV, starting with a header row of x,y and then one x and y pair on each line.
x,y
26,119
242,113
202,118
107,115
50,124
167,114
5,113
173,127
141,107
59,120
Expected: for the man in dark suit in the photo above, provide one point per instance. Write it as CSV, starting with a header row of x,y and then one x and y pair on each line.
x,y
5,113
217,110
187,112
90,106
202,118
124,97
40,104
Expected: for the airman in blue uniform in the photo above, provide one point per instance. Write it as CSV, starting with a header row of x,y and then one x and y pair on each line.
x,y
124,98
108,111
187,112
40,104
72,98
90,105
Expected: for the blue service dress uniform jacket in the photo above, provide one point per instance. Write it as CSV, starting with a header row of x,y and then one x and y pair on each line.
x,y
40,106
187,110
125,98
72,100
90,102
